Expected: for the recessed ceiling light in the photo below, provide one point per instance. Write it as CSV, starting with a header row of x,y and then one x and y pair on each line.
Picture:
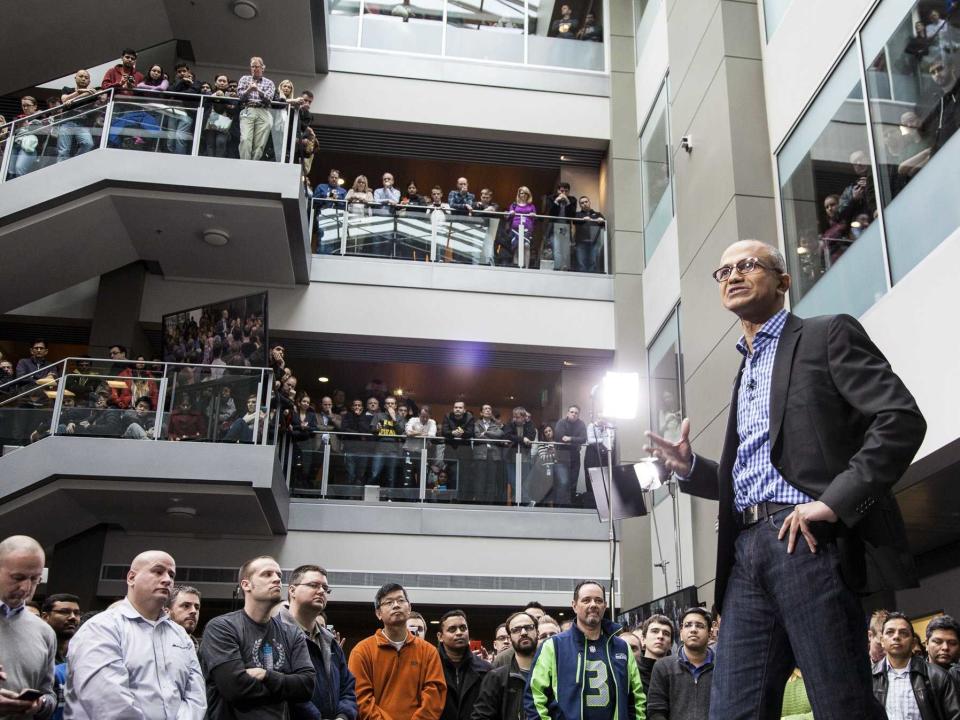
x,y
182,512
245,9
216,237
323,378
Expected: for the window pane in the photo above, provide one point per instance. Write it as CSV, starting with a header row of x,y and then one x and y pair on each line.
x,y
912,84
655,169
565,35
401,25
344,22
829,201
485,30
773,11
666,411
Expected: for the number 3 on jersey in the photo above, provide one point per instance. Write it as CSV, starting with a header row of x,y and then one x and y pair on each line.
x,y
598,695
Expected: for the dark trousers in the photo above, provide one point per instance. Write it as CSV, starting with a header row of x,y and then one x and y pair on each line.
x,y
782,611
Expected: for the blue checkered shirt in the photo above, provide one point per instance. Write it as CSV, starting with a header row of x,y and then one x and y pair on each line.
x,y
901,701
755,480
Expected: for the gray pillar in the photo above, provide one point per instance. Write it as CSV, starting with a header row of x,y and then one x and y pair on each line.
x,y
74,566
117,317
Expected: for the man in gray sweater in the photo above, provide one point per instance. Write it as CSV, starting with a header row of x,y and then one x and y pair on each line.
x,y
680,684
28,646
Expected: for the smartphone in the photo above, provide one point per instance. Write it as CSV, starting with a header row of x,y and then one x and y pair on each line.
x,y
29,695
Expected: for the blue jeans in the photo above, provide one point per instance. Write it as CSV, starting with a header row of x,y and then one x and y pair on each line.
x,y
72,133
182,141
24,162
562,475
782,611
587,256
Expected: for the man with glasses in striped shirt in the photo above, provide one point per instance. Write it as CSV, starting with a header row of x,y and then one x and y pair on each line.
x,y
820,429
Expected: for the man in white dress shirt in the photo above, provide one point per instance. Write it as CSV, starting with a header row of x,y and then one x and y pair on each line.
x,y
132,660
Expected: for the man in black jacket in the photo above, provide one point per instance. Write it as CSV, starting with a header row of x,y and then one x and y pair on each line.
x,y
458,430
657,633
356,449
906,685
501,694
820,428
680,684
943,644
572,432
184,122
463,670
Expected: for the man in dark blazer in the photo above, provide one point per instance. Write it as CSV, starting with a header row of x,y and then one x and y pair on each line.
x,y
819,430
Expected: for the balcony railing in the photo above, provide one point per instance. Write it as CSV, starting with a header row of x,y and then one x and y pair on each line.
x,y
434,234
355,466
146,121
153,401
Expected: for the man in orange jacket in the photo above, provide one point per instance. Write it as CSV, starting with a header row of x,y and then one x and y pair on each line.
x,y
399,676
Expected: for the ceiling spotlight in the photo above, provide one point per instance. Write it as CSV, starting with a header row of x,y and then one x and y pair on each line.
x,y
323,378
245,9
216,237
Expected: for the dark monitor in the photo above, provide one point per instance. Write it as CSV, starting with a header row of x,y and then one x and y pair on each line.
x,y
627,494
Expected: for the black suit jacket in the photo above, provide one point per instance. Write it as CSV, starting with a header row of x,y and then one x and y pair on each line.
x,y
843,429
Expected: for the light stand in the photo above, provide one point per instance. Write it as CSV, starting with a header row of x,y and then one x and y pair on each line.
x,y
621,392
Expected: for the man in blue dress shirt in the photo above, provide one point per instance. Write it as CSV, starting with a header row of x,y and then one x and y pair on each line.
x,y
820,428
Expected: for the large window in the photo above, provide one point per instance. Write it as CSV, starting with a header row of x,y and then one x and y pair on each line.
x,y
655,169
566,35
863,177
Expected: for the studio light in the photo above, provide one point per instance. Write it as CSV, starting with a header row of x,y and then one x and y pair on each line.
x,y
621,394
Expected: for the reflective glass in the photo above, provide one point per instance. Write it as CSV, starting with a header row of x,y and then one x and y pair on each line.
x,y
655,169
344,22
403,26
912,84
164,125
53,136
485,30
773,11
26,408
565,35
829,200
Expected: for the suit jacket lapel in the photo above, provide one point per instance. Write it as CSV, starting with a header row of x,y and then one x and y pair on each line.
x,y
731,439
782,371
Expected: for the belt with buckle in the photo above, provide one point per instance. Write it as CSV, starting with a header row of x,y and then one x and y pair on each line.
x,y
755,513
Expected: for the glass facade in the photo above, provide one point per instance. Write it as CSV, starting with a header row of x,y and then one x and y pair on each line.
x,y
863,172
773,11
655,170
561,35
665,387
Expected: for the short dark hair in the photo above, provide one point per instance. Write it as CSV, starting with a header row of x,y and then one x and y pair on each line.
x,y
298,572
513,615
451,613
307,93
660,620
118,346
179,65
144,399
436,187
943,622
52,600
128,51
39,340
534,604
564,184
244,573
576,590
697,610
896,615
182,590
385,590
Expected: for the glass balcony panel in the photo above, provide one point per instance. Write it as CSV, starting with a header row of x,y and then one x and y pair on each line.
x,y
26,409
911,73
54,135
162,124
403,26
485,30
442,235
829,200
565,53
665,390
344,22
210,403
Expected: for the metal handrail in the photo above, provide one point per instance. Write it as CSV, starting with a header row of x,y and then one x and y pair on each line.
x,y
458,214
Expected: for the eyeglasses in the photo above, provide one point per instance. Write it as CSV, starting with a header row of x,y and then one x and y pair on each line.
x,y
396,602
315,586
519,629
744,267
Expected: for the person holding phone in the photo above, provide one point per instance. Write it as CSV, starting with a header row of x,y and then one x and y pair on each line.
x,y
28,646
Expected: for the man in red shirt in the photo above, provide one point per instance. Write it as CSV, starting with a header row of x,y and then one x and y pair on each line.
x,y
124,77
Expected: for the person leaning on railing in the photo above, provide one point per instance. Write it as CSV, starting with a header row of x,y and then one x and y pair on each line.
x,y
76,130
255,92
